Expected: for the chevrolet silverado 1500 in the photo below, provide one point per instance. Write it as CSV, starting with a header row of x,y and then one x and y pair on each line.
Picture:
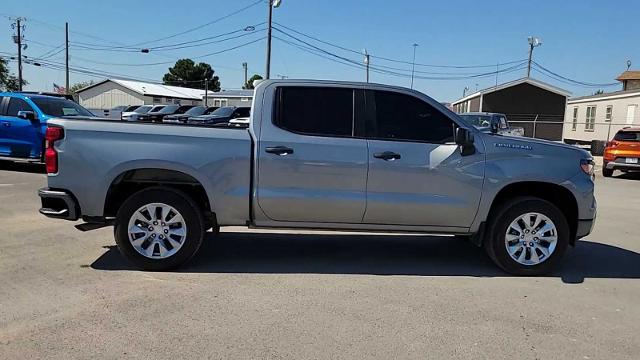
x,y
321,155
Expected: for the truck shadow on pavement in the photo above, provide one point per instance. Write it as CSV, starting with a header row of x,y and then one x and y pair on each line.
x,y
26,167
278,253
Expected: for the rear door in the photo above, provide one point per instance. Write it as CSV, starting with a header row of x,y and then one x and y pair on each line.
x,y
311,168
19,138
417,175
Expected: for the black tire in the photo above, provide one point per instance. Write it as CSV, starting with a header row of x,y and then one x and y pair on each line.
x,y
607,172
502,218
181,202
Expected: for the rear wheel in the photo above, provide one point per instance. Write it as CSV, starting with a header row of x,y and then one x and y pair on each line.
x,y
527,236
159,228
606,172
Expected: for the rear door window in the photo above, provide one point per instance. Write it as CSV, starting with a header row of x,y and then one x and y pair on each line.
x,y
320,111
406,118
16,105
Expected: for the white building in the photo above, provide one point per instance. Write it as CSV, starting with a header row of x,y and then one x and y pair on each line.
x,y
110,93
599,117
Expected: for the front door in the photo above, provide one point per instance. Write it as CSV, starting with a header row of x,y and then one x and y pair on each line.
x,y
311,168
417,175
19,138
631,114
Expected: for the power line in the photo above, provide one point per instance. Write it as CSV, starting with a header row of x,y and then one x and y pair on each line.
x,y
575,82
395,60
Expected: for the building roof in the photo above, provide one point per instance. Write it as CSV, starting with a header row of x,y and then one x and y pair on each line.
x,y
610,95
534,82
231,93
629,75
152,89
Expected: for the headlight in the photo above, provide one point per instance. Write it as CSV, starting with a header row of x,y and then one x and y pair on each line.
x,y
587,166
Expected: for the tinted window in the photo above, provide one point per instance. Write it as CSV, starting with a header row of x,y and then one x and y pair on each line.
x,y
169,109
131,108
156,108
477,120
210,110
627,136
316,110
143,109
404,117
195,111
223,111
242,112
16,105
60,107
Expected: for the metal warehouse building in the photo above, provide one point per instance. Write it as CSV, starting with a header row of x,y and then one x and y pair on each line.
x,y
534,105
110,93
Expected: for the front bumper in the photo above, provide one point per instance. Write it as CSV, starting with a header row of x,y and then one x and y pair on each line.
x,y
59,204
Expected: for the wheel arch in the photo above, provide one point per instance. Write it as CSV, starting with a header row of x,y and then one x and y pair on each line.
x,y
556,194
130,181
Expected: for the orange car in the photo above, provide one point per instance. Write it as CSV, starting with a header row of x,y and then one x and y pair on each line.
x,y
623,152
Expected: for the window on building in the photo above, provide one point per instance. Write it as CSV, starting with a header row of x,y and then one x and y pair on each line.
x,y
220,102
590,118
157,100
404,117
608,113
315,110
574,120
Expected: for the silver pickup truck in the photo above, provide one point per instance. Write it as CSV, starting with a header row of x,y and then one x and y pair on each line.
x,y
321,155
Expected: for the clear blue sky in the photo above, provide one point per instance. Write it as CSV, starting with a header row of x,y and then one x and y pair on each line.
x,y
588,41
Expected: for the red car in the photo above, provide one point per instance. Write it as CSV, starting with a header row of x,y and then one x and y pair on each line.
x,y
623,152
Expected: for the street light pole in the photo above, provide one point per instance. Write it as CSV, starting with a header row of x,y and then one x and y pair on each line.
x,y
533,42
366,63
19,42
268,70
413,63
66,52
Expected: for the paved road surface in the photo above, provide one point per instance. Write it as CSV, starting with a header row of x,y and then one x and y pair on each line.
x,y
66,294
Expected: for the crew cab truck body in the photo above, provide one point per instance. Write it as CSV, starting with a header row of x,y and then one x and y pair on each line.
x,y
322,155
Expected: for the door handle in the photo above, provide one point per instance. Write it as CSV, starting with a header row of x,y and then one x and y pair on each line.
x,y
6,124
279,150
387,156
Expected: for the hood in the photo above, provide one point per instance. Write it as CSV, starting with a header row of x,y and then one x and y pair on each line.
x,y
515,142
207,117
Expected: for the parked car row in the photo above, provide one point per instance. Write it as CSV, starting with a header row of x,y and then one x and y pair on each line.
x,y
185,114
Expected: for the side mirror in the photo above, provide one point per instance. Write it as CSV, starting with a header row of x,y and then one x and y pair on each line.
x,y
27,115
464,138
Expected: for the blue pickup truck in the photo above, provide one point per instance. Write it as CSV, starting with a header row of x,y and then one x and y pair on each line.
x,y
23,121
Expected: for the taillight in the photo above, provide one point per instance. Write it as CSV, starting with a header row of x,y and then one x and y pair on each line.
x,y
612,144
50,154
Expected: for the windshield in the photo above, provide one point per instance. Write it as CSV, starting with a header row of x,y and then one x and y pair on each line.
x,y
131,108
477,120
195,111
210,110
143,109
223,111
183,109
627,136
60,107
156,108
168,109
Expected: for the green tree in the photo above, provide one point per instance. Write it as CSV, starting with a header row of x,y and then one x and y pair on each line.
x,y
80,85
249,84
8,82
186,73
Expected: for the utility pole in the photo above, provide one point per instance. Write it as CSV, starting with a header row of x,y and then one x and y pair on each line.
x,y
533,42
18,40
206,92
366,63
268,70
244,66
413,63
272,4
66,53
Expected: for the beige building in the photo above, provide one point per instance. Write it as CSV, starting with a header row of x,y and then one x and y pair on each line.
x,y
599,117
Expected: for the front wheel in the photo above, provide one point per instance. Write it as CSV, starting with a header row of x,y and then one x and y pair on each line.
x,y
159,228
527,236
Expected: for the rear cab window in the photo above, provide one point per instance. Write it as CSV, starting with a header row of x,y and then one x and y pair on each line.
x,y
318,111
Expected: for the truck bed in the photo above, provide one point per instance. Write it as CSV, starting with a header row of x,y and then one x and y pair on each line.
x,y
94,153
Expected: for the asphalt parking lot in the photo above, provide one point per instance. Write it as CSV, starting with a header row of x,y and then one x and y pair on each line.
x,y
255,294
